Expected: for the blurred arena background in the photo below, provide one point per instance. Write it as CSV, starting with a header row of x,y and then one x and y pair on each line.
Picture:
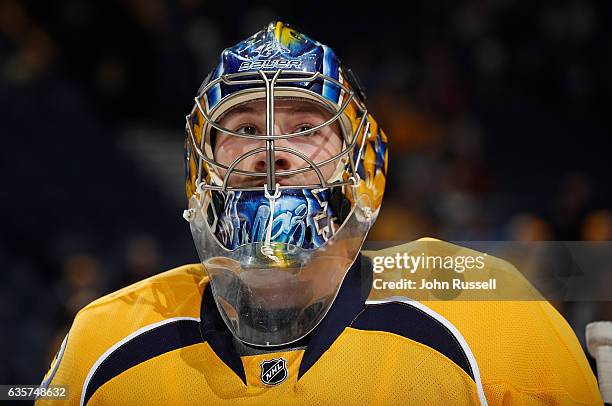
x,y
497,112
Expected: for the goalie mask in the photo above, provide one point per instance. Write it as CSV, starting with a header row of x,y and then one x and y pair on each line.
x,y
279,210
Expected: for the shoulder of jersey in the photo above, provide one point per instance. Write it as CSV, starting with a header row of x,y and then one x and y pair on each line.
x,y
163,300
517,347
171,295
165,290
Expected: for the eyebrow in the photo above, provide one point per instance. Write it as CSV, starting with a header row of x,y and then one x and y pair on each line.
x,y
242,109
247,109
305,108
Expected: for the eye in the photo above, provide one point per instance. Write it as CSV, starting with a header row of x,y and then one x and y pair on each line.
x,y
247,129
306,127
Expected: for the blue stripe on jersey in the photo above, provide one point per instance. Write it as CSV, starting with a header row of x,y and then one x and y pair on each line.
x,y
149,344
410,322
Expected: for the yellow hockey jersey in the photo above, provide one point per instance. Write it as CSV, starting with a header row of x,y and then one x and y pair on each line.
x,y
162,341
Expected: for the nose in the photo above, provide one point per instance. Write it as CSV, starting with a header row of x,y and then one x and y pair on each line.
x,y
283,161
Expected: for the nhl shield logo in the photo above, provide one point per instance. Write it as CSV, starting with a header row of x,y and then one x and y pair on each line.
x,y
273,371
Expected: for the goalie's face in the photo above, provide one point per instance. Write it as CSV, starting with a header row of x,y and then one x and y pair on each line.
x,y
290,116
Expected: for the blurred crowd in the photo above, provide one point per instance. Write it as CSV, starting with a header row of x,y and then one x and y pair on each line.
x,y
495,112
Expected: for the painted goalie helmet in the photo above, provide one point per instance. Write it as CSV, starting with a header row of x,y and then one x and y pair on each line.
x,y
276,223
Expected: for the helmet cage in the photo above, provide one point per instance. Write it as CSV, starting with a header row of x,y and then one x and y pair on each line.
x,y
269,79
